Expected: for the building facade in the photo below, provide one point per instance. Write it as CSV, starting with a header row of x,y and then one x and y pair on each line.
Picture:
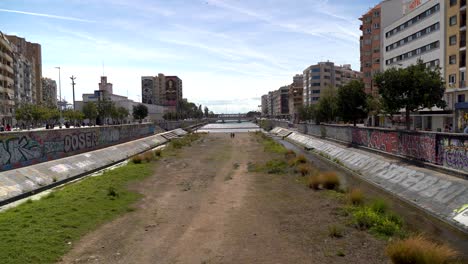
x,y
7,93
455,62
49,92
418,34
32,52
318,77
162,90
25,88
265,105
296,91
370,47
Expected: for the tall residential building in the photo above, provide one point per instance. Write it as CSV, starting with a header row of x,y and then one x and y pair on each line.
x,y
370,47
281,102
7,93
418,34
49,92
162,90
320,76
25,88
296,90
455,62
32,52
265,105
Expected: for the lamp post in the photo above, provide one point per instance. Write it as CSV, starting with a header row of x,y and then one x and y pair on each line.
x,y
73,87
60,95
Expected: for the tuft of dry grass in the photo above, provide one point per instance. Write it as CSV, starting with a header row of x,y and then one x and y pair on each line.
x,y
335,231
304,169
356,196
289,155
137,159
313,182
158,153
419,250
148,156
301,159
330,180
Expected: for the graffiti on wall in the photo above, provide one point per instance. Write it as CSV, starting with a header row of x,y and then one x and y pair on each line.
x,y
26,148
360,137
420,146
454,152
385,141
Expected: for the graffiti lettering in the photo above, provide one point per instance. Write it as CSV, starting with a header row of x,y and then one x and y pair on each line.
x,y
80,141
386,141
422,147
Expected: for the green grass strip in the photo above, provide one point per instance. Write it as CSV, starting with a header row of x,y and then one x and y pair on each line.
x,y
40,231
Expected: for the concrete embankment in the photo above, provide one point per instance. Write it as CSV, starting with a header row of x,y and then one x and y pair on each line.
x,y
22,182
441,195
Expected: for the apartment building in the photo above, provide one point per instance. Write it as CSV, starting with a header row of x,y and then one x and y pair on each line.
x,y
24,81
32,52
49,92
455,62
281,102
419,34
318,77
265,105
7,93
370,43
162,90
296,90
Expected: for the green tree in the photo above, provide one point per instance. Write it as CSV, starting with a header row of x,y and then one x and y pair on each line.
x,y
90,111
72,116
307,112
327,108
352,102
140,111
412,88
24,113
105,109
207,111
122,113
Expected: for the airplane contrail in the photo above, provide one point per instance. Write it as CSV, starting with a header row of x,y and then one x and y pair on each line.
x,y
46,15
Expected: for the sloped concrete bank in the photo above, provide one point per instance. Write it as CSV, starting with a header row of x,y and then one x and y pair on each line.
x,y
20,183
440,195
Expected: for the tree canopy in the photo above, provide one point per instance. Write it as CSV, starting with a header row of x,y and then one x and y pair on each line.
x,y
412,88
140,111
352,102
327,107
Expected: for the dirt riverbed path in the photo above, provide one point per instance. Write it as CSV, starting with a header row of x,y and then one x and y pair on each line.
x,y
203,206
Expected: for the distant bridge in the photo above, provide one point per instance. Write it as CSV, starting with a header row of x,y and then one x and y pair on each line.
x,y
237,117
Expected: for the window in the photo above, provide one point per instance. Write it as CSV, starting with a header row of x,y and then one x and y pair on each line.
x,y
376,14
453,59
417,18
316,77
452,78
315,84
315,70
368,31
376,25
461,98
453,2
315,91
453,40
453,20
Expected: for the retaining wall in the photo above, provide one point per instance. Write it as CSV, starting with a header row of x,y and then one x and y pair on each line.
x,y
171,125
445,149
441,195
19,149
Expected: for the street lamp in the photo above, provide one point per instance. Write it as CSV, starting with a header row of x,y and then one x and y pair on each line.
x,y
60,95
73,87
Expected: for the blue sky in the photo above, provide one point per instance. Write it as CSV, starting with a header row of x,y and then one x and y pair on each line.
x,y
227,52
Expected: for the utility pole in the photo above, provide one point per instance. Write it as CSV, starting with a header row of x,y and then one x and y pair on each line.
x,y
60,96
73,87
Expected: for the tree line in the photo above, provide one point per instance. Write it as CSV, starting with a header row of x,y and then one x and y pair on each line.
x,y
399,89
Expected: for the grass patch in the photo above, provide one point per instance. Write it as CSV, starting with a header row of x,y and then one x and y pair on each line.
x,y
275,166
420,250
270,145
376,221
335,231
356,197
187,140
39,232
290,154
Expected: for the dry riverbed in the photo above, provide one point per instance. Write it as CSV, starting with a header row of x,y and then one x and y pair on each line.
x,y
202,205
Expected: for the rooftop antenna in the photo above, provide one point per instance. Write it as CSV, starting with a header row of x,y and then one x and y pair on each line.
x,y
103,68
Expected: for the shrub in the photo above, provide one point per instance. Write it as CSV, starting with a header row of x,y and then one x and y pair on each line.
x,y
335,231
301,159
314,182
419,250
365,218
275,167
137,159
386,227
356,196
330,180
379,206
304,169
148,156
112,192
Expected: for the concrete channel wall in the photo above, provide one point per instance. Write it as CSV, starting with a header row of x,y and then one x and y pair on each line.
x,y
19,149
441,195
443,149
171,125
22,181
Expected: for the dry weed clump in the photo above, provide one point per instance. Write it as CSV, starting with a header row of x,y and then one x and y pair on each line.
x,y
330,180
356,197
419,250
137,159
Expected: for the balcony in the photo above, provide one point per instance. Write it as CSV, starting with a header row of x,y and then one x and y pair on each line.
x,y
462,84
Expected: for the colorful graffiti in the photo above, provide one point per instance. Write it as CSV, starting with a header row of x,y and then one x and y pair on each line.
x,y
419,146
385,141
26,148
454,152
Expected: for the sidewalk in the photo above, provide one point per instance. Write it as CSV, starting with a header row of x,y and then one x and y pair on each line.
x,y
442,195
